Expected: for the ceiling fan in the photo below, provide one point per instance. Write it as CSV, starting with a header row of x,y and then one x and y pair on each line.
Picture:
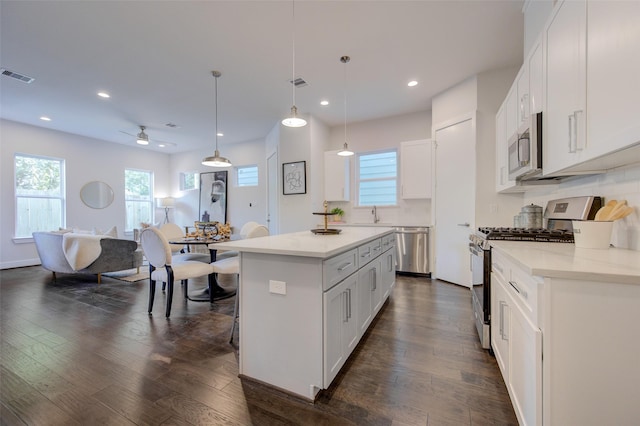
x,y
143,139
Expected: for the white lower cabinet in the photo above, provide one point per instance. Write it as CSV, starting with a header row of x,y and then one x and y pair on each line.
x,y
340,325
350,306
369,294
516,338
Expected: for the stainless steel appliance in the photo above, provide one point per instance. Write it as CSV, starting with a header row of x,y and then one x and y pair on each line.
x,y
558,229
525,150
412,245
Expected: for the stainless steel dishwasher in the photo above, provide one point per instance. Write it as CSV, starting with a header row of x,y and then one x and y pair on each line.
x,y
412,244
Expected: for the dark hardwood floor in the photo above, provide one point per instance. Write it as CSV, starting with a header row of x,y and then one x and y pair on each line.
x,y
75,352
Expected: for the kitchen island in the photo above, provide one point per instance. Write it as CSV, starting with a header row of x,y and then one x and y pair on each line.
x,y
306,300
565,323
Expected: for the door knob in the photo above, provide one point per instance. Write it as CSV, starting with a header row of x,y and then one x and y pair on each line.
x,y
464,224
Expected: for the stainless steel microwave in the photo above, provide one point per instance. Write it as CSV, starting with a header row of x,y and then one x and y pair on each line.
x,y
525,150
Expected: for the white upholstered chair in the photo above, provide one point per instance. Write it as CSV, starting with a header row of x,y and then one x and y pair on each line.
x,y
163,267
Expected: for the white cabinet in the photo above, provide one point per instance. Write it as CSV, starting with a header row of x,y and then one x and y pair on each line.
x,y
523,98
340,326
503,183
336,176
388,264
511,111
565,99
369,294
415,169
536,77
613,69
516,337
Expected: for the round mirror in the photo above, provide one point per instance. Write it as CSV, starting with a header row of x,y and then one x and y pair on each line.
x,y
96,195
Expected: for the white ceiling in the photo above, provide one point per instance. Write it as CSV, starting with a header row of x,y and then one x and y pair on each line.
x,y
155,59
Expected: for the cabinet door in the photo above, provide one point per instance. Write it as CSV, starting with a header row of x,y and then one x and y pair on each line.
x,y
502,170
378,287
523,96
388,266
525,368
536,71
336,176
511,111
415,169
500,327
366,292
613,64
340,326
565,98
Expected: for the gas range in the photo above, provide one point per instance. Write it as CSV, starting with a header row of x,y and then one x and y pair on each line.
x,y
524,234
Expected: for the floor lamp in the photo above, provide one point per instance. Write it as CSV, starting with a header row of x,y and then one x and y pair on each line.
x,y
166,203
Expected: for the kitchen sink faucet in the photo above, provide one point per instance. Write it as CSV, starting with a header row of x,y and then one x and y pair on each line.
x,y
374,212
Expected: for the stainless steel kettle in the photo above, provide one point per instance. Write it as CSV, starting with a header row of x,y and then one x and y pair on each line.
x,y
531,216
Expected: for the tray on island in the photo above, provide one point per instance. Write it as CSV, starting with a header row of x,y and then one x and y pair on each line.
x,y
323,231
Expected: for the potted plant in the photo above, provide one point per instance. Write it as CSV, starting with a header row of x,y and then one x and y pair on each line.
x,y
337,213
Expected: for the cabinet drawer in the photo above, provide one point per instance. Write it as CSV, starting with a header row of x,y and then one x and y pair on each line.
x,y
521,286
369,251
339,267
388,241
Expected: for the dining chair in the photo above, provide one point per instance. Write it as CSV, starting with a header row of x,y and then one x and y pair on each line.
x,y
164,268
244,232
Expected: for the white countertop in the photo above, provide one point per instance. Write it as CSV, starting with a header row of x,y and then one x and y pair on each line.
x,y
306,243
556,260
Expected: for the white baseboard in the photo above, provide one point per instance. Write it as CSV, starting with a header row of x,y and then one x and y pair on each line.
x,y
20,263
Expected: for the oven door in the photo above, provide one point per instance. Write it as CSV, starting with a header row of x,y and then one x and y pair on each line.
x,y
480,291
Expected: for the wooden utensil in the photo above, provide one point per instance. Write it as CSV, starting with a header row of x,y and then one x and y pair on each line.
x,y
621,213
605,210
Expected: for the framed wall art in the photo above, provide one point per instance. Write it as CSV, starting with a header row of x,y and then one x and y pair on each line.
x,y
213,197
294,178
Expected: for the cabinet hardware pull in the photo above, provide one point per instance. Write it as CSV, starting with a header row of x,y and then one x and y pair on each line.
x,y
345,317
367,254
515,286
376,248
345,266
503,333
349,305
375,279
572,133
580,139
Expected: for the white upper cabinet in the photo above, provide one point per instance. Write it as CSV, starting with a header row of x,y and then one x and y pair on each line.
x,y
336,176
523,97
503,184
591,107
565,102
613,75
415,169
536,72
512,114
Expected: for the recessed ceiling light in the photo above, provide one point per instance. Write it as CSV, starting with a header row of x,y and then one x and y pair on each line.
x,y
324,103
220,134
43,118
104,95
412,83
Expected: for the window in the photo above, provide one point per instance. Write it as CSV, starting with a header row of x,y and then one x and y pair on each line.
x,y
39,194
188,181
138,199
247,175
377,178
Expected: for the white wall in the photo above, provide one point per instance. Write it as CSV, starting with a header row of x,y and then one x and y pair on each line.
x,y
244,204
380,134
85,160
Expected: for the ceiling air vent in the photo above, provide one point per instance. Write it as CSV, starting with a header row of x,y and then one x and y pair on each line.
x,y
21,77
299,82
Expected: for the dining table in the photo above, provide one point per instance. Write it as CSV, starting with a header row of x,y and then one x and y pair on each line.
x,y
204,295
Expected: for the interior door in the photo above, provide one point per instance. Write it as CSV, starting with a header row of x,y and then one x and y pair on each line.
x,y
454,200
272,193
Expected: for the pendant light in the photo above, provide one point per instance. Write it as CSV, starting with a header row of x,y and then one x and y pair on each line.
x,y
345,152
293,120
142,138
216,160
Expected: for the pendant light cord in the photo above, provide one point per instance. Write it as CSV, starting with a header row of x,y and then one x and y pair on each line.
x,y
345,100
216,75
293,38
